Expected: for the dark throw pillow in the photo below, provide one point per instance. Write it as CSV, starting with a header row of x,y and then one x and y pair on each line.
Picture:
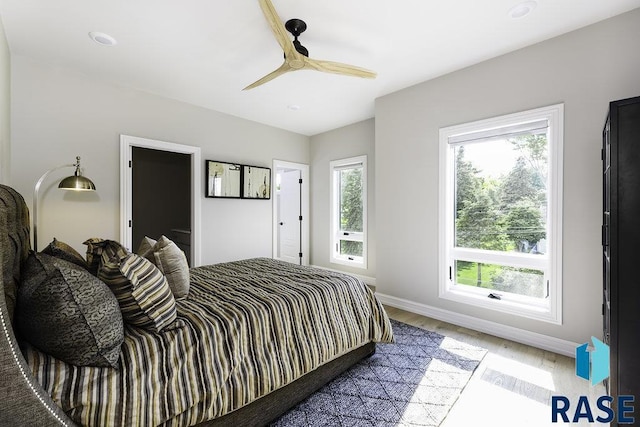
x,y
68,313
95,246
63,251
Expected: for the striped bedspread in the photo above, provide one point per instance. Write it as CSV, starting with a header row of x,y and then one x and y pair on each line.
x,y
247,328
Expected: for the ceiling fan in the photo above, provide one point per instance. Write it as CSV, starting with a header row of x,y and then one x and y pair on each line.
x,y
296,56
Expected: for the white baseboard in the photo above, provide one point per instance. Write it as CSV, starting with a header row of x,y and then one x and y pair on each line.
x,y
533,339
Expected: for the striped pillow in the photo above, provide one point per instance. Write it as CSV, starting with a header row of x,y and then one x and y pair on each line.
x,y
141,289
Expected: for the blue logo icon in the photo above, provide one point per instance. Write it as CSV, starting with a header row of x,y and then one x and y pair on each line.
x,y
597,360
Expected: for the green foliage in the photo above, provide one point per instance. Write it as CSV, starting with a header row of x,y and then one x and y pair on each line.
x,y
479,225
350,247
507,212
351,199
468,184
501,214
467,274
523,223
533,149
351,209
522,183
520,281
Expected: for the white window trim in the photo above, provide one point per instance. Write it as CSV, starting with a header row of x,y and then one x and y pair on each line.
x,y
334,257
549,310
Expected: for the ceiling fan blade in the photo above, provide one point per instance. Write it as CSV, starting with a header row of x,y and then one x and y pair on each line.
x,y
338,68
278,29
272,75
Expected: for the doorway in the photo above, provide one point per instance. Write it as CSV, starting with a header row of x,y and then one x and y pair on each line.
x,y
160,194
161,197
291,212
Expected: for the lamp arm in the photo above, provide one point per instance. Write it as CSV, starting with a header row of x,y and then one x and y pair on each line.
x,y
36,190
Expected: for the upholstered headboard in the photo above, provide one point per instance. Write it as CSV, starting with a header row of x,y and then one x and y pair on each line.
x,y
22,401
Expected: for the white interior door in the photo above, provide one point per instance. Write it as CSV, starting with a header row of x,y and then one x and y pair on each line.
x,y
289,226
290,203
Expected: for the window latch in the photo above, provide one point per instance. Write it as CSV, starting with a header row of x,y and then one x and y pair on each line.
x,y
494,296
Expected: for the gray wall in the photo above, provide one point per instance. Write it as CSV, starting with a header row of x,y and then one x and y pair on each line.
x,y
58,114
584,69
5,108
350,141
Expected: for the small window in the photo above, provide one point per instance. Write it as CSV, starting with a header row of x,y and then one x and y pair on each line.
x,y
349,211
501,213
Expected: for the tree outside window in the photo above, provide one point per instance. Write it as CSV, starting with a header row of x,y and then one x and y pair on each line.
x,y
348,187
501,213
502,209
351,212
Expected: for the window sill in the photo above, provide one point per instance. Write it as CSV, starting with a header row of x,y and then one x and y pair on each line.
x,y
356,262
536,311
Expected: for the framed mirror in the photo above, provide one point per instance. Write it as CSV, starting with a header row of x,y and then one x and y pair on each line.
x,y
223,179
256,182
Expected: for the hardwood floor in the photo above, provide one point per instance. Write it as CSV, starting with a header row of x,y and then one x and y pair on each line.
x,y
514,382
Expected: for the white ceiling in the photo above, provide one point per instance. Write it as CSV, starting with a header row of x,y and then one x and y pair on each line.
x,y
204,52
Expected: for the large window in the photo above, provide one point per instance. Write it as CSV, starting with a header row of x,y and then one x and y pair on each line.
x,y
501,213
349,211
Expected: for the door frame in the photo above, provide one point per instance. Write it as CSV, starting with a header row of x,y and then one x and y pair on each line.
x,y
127,143
304,171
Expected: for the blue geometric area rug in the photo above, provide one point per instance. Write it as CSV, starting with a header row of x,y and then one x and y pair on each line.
x,y
412,382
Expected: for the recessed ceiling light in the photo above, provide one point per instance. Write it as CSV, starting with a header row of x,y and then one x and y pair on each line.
x,y
293,107
102,38
522,9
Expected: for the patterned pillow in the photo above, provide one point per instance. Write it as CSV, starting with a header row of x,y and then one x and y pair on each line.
x,y
63,251
66,312
171,261
144,295
95,247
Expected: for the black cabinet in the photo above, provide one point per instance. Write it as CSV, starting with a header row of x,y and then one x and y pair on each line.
x,y
621,244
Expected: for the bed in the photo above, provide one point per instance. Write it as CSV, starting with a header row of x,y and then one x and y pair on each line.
x,y
252,339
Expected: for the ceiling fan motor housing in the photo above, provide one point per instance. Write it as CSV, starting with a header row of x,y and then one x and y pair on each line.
x,y
296,27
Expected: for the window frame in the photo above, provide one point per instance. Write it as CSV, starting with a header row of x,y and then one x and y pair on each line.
x,y
547,309
336,235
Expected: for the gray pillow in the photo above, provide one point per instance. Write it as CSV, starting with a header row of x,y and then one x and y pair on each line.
x,y
170,260
68,313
